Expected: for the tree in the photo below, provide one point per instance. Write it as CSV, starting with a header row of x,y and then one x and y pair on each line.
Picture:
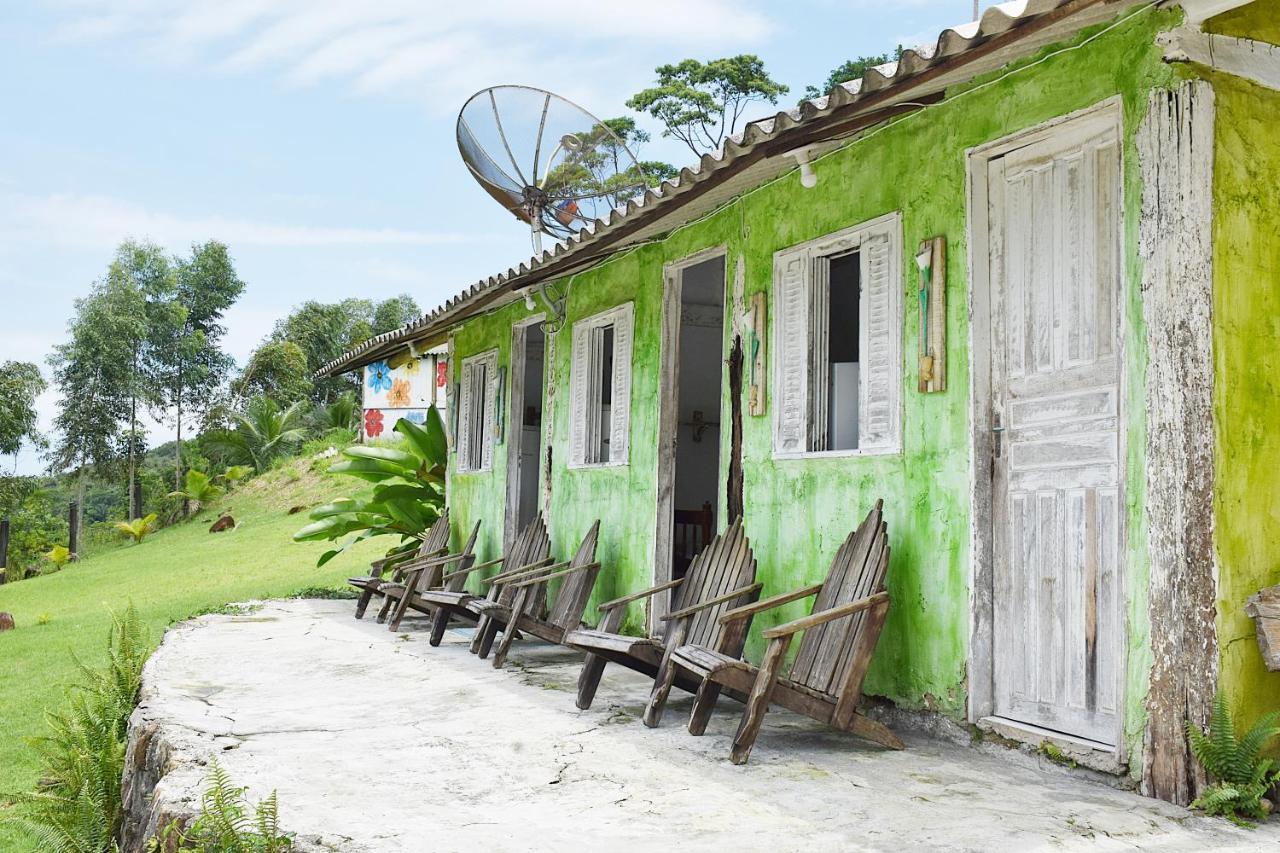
x,y
186,334
93,372
324,332
277,369
262,434
701,104
20,385
139,278
601,164
395,313
852,69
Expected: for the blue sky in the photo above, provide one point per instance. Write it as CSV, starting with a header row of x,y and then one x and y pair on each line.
x,y
316,138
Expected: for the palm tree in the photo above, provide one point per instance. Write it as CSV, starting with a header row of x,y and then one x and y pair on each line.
x,y
263,433
340,414
200,490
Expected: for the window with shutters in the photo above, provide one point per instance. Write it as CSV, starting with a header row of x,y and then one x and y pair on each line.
x,y
477,397
837,318
600,386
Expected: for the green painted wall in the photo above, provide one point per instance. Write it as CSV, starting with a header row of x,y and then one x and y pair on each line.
x,y
798,511
1260,21
1246,330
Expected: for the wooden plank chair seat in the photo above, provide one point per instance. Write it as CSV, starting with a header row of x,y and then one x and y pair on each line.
x,y
449,598
839,636
435,542
720,576
530,611
418,577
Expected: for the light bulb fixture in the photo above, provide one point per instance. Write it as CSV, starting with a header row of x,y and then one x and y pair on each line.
x,y
808,177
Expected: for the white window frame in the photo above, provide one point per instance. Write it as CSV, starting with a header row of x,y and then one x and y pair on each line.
x,y
466,405
798,270
584,430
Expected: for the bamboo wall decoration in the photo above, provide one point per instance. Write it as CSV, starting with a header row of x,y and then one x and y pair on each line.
x,y
931,262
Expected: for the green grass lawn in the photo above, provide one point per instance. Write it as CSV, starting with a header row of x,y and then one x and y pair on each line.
x,y
175,573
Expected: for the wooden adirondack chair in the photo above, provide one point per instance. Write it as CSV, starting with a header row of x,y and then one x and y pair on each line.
x,y
530,612
417,577
530,550
721,576
434,543
840,633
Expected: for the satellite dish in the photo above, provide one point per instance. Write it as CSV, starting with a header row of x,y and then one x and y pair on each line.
x,y
545,159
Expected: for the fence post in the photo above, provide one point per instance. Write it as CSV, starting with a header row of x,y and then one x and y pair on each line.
x,y
4,549
73,521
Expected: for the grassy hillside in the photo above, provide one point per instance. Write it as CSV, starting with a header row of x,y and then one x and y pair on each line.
x,y
175,573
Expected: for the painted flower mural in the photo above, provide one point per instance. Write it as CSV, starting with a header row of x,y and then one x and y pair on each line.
x,y
417,416
399,397
379,376
373,422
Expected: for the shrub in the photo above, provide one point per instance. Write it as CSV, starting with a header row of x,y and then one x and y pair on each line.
x,y
137,529
1241,778
224,824
76,805
408,496
199,491
35,526
59,555
328,592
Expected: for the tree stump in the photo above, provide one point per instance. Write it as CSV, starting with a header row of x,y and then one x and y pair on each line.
x,y
6,622
226,522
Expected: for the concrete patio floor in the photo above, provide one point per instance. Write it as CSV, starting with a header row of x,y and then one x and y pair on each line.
x,y
377,741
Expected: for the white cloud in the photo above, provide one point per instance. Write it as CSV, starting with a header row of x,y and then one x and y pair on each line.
x,y
95,222
437,52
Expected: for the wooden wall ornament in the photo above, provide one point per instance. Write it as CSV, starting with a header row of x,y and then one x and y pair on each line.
x,y
1264,609
500,407
931,265
754,325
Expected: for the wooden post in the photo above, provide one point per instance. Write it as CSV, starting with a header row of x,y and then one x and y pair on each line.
x,y
4,549
73,523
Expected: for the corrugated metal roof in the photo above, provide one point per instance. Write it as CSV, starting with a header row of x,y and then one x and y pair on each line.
x,y
1004,33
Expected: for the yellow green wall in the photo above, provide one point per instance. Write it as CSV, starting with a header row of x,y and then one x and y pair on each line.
x,y
1246,328
1259,21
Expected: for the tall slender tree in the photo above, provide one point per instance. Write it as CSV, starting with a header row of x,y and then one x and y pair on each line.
x,y
20,384
187,360
93,373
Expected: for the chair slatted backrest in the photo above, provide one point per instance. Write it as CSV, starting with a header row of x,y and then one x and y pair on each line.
x,y
858,570
533,544
437,537
432,579
575,588
725,564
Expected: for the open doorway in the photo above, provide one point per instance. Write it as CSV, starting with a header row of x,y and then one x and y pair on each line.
x,y
690,413
524,436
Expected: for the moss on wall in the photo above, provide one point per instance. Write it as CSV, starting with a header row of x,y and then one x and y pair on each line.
x,y
798,511
1260,21
1246,328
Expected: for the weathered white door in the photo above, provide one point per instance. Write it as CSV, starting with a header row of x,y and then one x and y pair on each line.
x,y
1055,241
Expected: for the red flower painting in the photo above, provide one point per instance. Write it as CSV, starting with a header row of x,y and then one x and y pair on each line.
x,y
373,422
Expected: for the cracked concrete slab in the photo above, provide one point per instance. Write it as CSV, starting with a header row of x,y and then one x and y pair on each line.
x,y
378,742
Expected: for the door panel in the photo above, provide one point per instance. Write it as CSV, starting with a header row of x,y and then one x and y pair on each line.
x,y
1055,264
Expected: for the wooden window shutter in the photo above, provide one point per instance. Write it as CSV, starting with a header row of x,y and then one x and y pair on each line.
x,y
489,390
881,338
463,438
579,385
792,285
620,414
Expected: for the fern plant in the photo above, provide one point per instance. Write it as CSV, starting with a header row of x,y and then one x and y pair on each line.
x,y
225,824
76,806
1241,777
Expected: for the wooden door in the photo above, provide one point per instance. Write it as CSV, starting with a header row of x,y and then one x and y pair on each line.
x,y
1055,219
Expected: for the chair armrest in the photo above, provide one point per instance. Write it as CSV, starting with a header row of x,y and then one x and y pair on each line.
x,y
508,576
815,619
636,596
474,568
380,564
541,578
769,603
719,599
427,562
